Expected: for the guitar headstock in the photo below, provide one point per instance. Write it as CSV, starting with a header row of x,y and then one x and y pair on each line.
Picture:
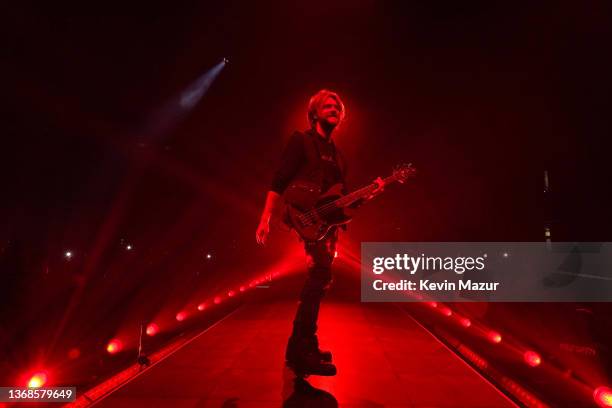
x,y
403,171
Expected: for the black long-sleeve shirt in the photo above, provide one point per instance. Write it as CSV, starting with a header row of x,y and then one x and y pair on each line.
x,y
294,158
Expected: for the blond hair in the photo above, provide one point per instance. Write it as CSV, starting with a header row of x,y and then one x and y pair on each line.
x,y
318,99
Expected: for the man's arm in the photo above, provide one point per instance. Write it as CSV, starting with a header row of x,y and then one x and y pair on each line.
x,y
272,204
291,160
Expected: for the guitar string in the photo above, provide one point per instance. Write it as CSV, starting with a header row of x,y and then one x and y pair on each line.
x,y
310,215
370,186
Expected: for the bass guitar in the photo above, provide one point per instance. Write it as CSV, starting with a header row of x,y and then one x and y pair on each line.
x,y
311,213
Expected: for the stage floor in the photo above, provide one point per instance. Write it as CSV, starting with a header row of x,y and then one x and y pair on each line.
x,y
384,359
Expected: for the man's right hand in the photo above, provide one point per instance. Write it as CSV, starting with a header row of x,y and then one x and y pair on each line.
x,y
261,235
272,203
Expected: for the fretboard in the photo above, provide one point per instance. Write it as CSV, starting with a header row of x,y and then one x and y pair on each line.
x,y
361,193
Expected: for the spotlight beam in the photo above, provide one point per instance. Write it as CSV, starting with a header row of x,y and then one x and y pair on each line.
x,y
166,119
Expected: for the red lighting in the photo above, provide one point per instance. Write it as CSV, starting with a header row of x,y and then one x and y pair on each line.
x,y
201,306
532,358
180,316
603,396
495,337
38,379
465,322
242,288
74,353
446,311
335,254
231,293
114,346
217,300
152,329
433,304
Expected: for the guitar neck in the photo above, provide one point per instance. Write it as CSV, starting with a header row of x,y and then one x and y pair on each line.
x,y
363,192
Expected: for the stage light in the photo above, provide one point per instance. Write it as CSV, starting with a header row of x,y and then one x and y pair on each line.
x,y
495,337
505,254
180,316
242,288
603,396
38,379
68,254
128,247
201,306
465,322
208,256
217,300
74,353
225,61
152,329
446,311
114,346
433,304
532,358
231,293
335,254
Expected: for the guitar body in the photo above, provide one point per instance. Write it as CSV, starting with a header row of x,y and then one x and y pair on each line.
x,y
310,213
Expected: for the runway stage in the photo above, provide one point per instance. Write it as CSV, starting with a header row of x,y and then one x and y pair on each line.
x,y
384,359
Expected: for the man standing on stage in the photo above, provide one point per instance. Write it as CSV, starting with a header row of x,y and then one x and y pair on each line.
x,y
313,157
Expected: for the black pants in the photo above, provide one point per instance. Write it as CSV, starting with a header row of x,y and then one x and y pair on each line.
x,y
320,255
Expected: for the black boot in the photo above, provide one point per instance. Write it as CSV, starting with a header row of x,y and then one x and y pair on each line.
x,y
304,360
311,364
324,355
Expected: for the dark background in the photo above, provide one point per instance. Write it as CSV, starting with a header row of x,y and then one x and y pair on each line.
x,y
480,97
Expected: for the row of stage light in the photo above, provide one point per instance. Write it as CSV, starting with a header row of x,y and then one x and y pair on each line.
x,y
41,377
116,345
602,395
